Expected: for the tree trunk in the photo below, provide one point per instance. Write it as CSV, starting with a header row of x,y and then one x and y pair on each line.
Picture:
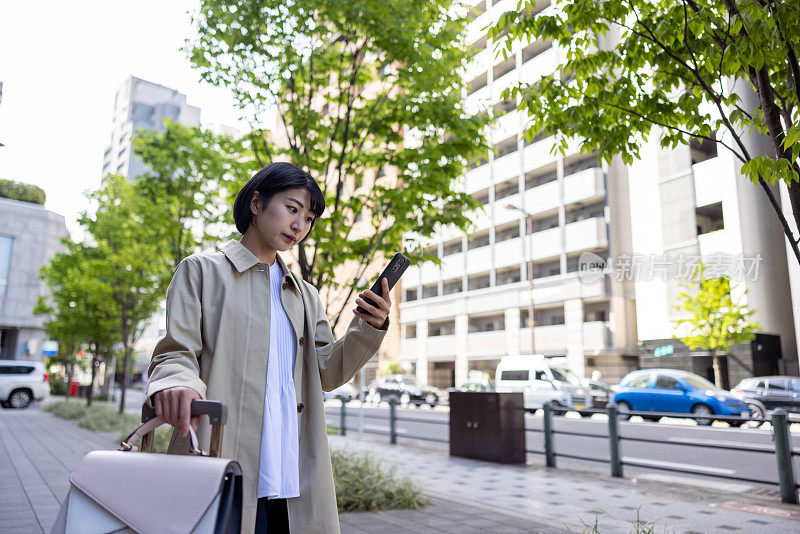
x,y
124,385
70,371
89,393
717,370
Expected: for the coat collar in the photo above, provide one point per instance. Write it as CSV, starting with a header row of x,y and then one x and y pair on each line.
x,y
242,260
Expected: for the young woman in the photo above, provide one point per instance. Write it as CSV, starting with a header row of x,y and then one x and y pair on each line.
x,y
243,329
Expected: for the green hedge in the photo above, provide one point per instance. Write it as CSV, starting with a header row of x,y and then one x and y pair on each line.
x,y
22,192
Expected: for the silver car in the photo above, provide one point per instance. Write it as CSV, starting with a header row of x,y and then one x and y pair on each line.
x,y
22,382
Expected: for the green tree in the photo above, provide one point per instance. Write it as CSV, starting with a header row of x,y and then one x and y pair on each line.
x,y
680,70
365,92
716,321
135,263
80,308
391,367
188,171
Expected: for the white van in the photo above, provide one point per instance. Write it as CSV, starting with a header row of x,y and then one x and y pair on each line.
x,y
543,380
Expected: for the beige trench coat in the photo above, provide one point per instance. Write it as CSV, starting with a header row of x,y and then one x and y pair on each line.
x,y
216,342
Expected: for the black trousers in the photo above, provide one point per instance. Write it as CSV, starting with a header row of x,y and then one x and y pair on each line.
x,y
272,516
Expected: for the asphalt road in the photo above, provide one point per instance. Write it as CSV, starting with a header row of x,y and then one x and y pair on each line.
x,y
680,446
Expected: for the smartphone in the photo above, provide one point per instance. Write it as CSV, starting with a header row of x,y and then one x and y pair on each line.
x,y
392,273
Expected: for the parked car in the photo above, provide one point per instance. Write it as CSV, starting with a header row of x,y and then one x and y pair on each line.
x,y
679,392
22,382
405,390
346,392
600,392
765,393
543,380
471,385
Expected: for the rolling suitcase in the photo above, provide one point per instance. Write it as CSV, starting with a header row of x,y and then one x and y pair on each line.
x,y
124,492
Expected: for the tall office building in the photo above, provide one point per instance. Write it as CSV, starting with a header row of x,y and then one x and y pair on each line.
x,y
140,104
539,209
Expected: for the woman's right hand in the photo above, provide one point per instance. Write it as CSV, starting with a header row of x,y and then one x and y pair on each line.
x,y
174,407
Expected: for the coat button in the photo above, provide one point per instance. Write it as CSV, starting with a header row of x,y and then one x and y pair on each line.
x,y
285,285
300,407
302,341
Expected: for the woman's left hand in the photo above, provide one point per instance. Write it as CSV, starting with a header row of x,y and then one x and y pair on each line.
x,y
378,315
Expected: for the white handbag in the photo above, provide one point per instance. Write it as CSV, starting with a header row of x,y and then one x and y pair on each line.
x,y
124,492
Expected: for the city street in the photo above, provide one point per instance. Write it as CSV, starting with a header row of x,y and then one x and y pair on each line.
x,y
681,447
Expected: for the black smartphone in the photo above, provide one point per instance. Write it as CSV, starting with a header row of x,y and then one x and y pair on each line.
x,y
392,273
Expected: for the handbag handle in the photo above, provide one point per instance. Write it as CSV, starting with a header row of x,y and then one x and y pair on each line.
x,y
150,426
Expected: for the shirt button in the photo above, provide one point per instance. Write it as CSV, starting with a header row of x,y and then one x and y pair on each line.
x,y
302,341
300,407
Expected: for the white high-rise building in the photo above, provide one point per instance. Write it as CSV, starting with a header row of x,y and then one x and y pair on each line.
x,y
474,308
670,206
138,105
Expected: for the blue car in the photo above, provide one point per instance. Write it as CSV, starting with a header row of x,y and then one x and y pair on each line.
x,y
672,391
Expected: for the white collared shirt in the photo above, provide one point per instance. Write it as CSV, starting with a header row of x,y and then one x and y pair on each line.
x,y
279,467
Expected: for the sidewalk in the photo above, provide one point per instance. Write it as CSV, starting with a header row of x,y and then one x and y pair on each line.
x,y
575,501
38,451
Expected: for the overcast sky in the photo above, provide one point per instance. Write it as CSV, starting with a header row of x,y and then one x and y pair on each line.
x,y
61,64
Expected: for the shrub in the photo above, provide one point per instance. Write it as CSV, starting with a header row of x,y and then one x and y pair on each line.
x,y
66,409
58,387
362,485
22,192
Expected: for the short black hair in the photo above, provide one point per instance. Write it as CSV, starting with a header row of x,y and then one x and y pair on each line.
x,y
274,178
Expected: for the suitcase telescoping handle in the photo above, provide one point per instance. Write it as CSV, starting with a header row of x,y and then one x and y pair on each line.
x,y
217,414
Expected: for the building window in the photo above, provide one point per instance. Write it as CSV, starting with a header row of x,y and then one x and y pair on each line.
x,y
487,323
586,212
531,138
452,286
549,268
709,218
534,49
6,247
477,84
506,147
703,149
452,247
539,177
508,276
478,45
482,197
506,189
595,311
545,223
431,251
580,163
411,295
478,281
478,240
504,233
504,107
442,328
474,164
430,290
544,317
410,331
573,262
504,67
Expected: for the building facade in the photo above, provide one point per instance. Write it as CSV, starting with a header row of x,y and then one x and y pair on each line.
x,y
29,237
540,213
140,104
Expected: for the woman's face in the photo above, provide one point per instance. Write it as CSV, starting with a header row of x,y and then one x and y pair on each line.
x,y
285,221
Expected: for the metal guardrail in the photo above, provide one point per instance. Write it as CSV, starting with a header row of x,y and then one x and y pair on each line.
x,y
393,418
782,448
780,434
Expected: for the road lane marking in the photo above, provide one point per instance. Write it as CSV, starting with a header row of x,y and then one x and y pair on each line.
x,y
678,465
700,441
763,510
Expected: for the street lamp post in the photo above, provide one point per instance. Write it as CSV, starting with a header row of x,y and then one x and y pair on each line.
x,y
529,227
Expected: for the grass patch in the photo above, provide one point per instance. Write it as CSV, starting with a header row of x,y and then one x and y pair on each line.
x,y
362,485
333,429
105,418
